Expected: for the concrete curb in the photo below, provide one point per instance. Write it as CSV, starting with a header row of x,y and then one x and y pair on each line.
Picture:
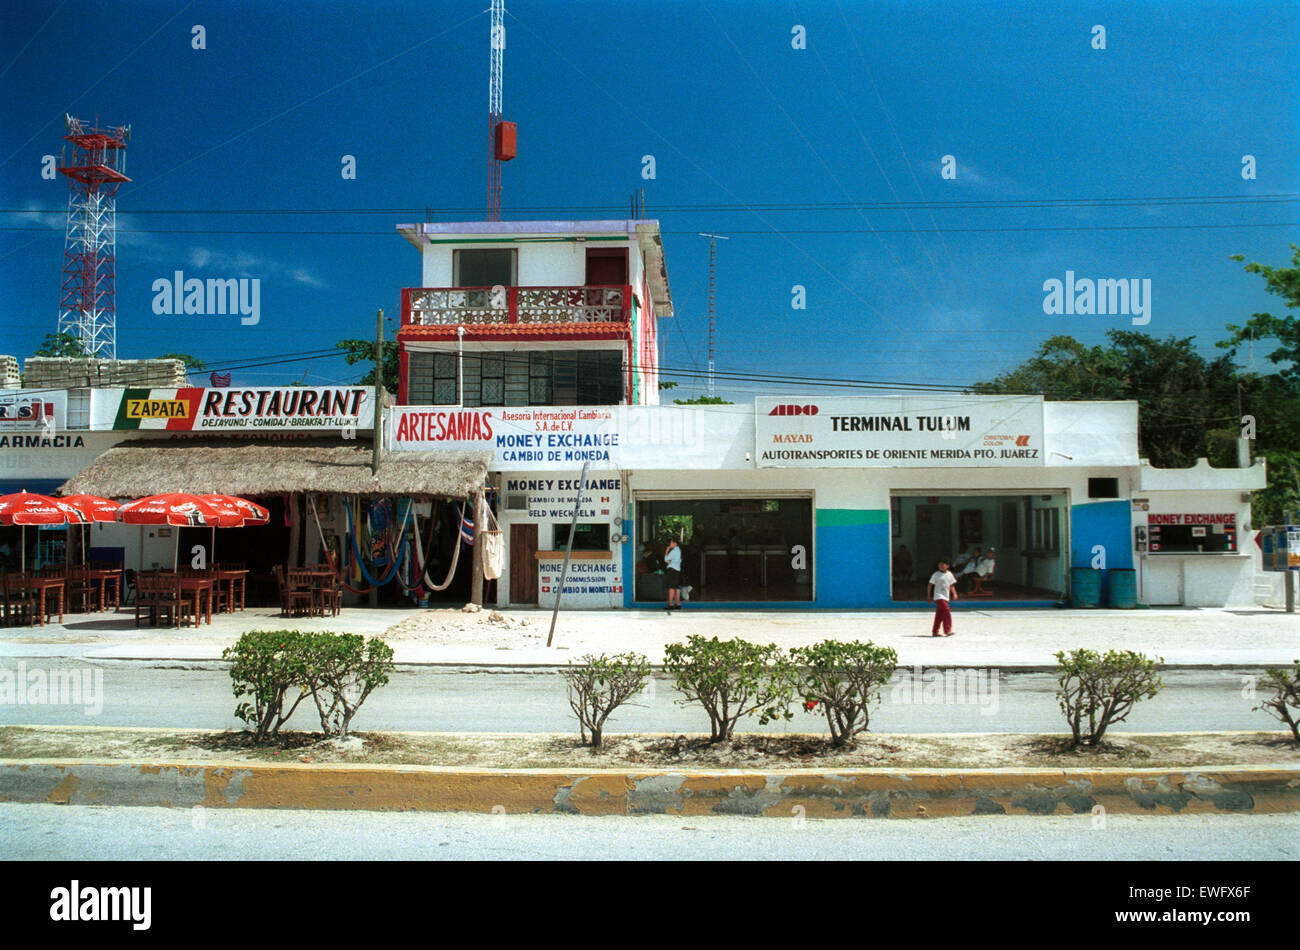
x,y
797,793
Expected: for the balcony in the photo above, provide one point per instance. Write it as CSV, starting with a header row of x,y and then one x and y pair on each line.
x,y
535,306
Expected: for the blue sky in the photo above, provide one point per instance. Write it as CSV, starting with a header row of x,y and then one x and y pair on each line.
x,y
260,119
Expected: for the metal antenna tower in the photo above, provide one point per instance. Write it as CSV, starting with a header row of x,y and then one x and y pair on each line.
x,y
713,281
94,174
496,62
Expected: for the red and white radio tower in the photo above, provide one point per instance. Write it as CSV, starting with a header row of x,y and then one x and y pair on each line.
x,y
501,135
90,247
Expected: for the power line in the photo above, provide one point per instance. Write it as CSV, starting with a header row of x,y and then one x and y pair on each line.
x,y
798,206
739,376
334,232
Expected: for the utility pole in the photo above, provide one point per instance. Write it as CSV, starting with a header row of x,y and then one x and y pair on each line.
x,y
379,391
476,556
568,550
713,276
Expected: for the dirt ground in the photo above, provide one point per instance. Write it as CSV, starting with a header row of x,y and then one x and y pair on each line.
x,y
483,628
988,750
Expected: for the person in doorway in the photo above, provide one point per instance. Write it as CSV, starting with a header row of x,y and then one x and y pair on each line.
x,y
903,564
967,573
942,586
673,574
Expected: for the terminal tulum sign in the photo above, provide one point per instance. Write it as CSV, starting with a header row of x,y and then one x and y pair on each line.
x,y
899,432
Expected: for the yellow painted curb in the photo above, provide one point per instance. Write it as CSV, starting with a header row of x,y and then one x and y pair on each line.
x,y
828,793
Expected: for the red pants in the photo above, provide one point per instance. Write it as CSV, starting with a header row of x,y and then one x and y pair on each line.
x,y
942,615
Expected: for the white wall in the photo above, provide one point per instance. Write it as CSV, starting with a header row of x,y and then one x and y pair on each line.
x,y
1090,433
539,264
1199,580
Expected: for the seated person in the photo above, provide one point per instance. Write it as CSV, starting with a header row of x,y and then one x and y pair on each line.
x,y
984,572
961,560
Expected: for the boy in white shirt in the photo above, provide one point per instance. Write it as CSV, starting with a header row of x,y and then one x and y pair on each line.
x,y
942,586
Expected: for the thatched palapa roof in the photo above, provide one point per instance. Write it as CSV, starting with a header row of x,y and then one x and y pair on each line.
x,y
237,467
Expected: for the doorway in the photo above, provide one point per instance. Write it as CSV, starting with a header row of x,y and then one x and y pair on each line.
x,y
523,563
606,266
933,537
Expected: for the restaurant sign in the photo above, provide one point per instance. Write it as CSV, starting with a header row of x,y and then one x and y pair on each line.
x,y
899,432
222,409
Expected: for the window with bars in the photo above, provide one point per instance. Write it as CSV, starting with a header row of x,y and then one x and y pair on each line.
x,y
541,378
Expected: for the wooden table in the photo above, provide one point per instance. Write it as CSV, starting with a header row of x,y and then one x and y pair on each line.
x,y
196,586
43,584
321,578
103,576
230,578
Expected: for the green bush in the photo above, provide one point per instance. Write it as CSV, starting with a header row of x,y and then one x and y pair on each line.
x,y
1100,690
337,670
732,678
264,666
845,680
600,684
341,670
1284,704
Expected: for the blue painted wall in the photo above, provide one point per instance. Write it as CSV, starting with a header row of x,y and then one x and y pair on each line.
x,y
1105,523
852,558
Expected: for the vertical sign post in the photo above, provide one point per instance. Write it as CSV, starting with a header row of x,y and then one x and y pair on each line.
x,y
568,549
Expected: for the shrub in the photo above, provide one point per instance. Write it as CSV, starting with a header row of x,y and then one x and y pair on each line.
x,y
341,670
1284,704
845,680
732,678
600,684
1102,689
265,665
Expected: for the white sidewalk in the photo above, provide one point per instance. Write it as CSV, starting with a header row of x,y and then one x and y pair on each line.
x,y
996,638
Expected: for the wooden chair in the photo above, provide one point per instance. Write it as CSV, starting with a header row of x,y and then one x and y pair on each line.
x,y
20,603
80,587
302,585
329,595
291,598
158,594
237,584
146,588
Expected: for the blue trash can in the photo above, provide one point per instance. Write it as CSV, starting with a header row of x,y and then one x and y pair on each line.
x,y
1085,587
1123,588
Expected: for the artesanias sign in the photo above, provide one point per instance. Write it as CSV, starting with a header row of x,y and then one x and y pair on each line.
x,y
899,432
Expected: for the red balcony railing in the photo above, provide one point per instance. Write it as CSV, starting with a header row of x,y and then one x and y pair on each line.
x,y
476,306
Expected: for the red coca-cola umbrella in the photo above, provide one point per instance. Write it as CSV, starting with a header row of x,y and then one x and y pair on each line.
x,y
93,509
252,512
232,507
24,508
178,509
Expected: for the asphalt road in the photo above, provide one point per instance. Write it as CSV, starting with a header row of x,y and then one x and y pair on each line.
x,y
457,699
73,832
